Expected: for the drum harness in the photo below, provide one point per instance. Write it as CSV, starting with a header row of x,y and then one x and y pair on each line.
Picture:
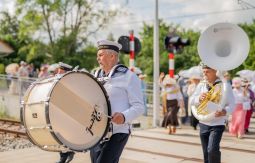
x,y
103,78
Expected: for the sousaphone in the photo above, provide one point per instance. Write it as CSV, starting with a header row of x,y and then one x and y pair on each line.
x,y
222,46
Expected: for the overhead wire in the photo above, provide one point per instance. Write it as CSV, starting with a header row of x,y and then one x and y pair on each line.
x,y
186,16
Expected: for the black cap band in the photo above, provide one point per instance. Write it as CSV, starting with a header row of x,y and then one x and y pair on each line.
x,y
111,47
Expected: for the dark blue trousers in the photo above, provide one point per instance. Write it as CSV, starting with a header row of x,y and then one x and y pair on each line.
x,y
110,151
210,139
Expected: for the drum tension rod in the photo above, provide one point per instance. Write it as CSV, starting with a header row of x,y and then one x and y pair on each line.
x,y
40,127
35,103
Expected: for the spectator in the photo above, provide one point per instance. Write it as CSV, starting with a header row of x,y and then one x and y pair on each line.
x,y
236,124
173,100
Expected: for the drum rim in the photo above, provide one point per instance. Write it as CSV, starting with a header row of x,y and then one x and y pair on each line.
x,y
22,114
108,106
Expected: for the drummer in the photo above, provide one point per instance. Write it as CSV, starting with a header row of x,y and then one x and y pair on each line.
x,y
55,69
124,90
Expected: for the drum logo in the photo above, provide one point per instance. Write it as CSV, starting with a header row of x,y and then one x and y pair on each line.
x,y
34,115
96,115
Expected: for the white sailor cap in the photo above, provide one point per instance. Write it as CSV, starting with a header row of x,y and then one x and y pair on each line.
x,y
169,80
65,66
53,67
106,44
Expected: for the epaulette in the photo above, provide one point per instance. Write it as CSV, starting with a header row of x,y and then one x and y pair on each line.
x,y
119,68
99,74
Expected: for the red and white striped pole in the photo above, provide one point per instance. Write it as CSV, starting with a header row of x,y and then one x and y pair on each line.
x,y
132,50
171,64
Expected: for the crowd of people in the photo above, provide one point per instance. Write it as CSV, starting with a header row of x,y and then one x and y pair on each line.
x,y
200,89
20,76
180,90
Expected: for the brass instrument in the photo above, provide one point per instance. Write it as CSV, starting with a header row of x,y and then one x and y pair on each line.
x,y
213,95
222,46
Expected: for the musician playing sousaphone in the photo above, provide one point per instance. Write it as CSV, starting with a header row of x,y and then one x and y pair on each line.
x,y
207,98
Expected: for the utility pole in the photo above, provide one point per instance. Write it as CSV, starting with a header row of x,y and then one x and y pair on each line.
x,y
156,105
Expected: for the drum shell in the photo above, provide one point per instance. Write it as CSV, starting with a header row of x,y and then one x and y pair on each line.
x,y
52,134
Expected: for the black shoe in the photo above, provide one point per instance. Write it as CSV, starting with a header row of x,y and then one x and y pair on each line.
x,y
246,131
62,160
63,157
69,157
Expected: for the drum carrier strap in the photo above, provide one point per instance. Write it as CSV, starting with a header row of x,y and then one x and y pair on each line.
x,y
103,78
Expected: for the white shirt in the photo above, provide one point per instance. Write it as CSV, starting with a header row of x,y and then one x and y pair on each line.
x,y
191,89
230,102
125,95
173,93
239,96
23,72
252,87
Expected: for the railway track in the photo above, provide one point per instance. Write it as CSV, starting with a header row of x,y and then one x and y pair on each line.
x,y
23,133
10,129
194,144
9,121
13,127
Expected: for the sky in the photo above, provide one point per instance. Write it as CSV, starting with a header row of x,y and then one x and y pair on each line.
x,y
190,14
193,14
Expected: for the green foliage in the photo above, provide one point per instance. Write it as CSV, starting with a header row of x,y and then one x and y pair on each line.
x,y
2,69
85,59
3,114
189,56
9,32
66,23
59,30
145,59
250,60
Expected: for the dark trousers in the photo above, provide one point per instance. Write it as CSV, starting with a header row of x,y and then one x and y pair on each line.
x,y
110,151
210,139
66,157
193,121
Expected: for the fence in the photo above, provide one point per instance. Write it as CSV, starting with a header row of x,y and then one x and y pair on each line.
x,y
13,89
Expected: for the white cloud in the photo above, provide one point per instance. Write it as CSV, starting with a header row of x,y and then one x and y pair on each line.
x,y
7,5
143,10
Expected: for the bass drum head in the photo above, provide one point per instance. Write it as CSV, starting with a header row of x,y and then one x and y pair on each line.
x,y
78,110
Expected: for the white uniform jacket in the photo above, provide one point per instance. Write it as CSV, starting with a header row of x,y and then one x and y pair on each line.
x,y
125,95
230,102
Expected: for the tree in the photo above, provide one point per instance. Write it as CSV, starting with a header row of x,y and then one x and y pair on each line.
x,y
10,33
185,60
249,63
189,56
64,25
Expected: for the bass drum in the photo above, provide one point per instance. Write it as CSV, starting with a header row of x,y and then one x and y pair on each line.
x,y
66,112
